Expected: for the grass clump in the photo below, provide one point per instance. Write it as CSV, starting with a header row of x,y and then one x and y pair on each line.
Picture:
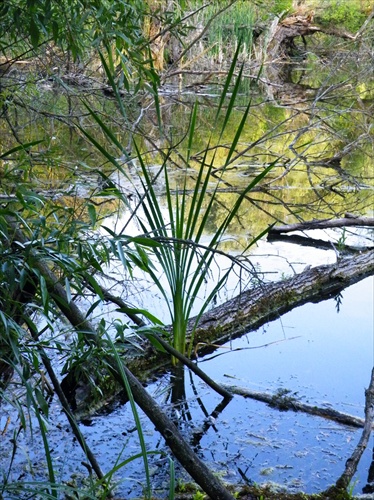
x,y
341,14
226,29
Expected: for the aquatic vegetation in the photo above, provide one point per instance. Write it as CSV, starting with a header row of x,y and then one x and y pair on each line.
x,y
60,236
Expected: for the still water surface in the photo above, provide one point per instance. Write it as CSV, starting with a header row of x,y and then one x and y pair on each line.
x,y
322,356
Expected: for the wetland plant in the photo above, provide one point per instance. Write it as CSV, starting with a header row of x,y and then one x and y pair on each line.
x,y
176,235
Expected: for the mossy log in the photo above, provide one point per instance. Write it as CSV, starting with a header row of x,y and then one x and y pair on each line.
x,y
256,307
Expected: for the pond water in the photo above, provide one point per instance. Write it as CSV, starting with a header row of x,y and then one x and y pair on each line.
x,y
324,357
321,353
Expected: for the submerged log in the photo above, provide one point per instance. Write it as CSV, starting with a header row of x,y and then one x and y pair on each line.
x,y
283,400
256,307
307,241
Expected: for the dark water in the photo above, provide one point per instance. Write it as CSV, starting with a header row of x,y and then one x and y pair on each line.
x,y
321,355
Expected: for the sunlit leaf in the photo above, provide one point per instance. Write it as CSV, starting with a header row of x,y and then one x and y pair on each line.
x,y
143,312
121,254
92,214
22,147
144,241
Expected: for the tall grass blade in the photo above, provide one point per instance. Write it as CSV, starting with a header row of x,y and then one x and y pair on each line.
x,y
172,479
110,135
228,81
112,82
135,413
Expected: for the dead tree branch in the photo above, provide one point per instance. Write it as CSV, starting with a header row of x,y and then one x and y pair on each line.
x,y
284,401
323,224
351,465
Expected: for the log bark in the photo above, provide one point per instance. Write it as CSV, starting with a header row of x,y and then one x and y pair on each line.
x,y
322,224
286,402
258,306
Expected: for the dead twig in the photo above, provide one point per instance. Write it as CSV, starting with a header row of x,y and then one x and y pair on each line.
x,y
286,401
351,465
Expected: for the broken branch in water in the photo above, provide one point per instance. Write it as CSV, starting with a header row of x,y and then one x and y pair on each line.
x,y
352,462
323,224
284,401
315,243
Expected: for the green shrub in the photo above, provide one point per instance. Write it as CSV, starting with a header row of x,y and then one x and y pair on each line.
x,y
343,14
232,25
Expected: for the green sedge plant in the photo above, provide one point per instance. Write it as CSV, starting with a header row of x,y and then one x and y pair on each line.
x,y
176,237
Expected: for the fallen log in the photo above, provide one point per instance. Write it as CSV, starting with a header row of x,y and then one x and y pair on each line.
x,y
307,241
282,400
322,224
256,307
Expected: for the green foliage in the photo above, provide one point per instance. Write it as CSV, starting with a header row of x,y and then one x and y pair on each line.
x,y
72,24
79,27
183,256
231,26
199,496
60,242
279,6
341,14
